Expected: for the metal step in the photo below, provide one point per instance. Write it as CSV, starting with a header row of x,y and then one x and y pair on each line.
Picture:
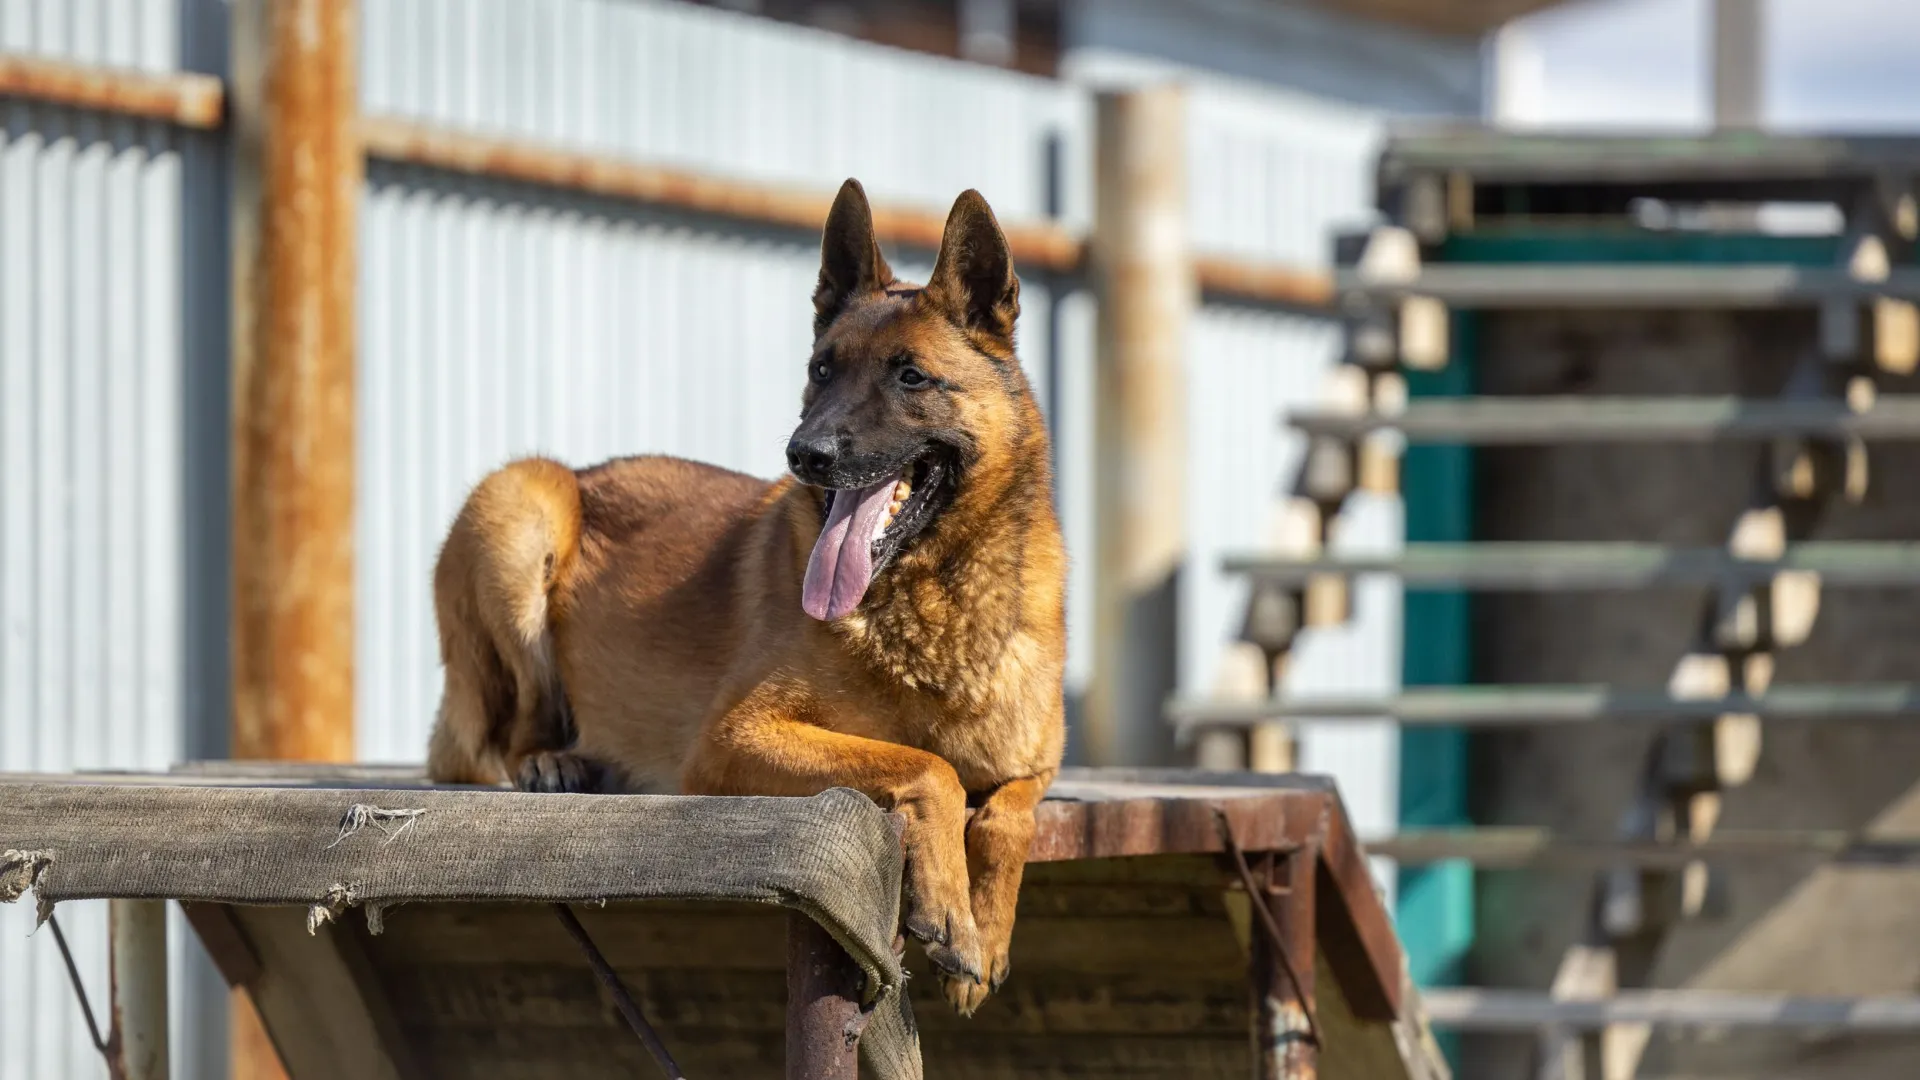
x,y
1510,421
1539,706
1492,153
1627,285
1521,1011
1532,848
1596,566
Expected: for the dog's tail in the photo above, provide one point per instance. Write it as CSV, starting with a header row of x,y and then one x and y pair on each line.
x,y
511,546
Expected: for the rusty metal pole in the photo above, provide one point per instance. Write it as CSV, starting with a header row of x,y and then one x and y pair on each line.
x,y
824,1020
1283,1036
296,175
1143,278
137,958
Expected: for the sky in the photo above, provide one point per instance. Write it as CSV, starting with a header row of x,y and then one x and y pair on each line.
x,y
1831,64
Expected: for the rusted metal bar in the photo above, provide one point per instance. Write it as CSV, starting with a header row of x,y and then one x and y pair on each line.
x,y
1225,278
824,1018
1035,247
184,98
137,933
296,177
622,998
79,988
1143,276
1286,1027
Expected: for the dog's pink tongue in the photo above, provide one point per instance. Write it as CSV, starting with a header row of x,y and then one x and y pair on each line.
x,y
841,566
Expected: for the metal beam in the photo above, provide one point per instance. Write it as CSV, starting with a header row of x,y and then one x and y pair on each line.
x,y
1627,285
184,98
1533,706
1509,421
1522,1011
1598,566
137,935
1523,847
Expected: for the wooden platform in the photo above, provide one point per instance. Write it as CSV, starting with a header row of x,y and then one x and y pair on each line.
x,y
1132,955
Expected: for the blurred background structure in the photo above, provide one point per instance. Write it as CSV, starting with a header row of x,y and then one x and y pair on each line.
x,y
589,227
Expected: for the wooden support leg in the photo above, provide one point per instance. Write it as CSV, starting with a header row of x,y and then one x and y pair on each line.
x,y
1284,1047
137,932
824,1019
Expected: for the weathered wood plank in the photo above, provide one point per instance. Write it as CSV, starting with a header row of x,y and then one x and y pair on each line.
x,y
565,998
313,1002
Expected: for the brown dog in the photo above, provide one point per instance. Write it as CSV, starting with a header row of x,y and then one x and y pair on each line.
x,y
889,619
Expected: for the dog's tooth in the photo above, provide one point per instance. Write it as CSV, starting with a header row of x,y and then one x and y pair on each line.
x,y
902,489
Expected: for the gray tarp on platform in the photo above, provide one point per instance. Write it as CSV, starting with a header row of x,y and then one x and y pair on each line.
x,y
834,856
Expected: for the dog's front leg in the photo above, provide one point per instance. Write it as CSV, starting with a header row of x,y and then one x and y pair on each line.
x,y
759,749
998,837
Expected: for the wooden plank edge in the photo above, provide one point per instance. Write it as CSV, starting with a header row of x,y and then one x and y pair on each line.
x,y
1355,930
185,99
1118,828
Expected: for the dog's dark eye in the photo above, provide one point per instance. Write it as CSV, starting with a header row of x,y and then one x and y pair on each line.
x,y
912,377
820,372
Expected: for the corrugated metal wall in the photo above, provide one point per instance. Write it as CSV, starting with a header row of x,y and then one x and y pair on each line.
x,y
501,320
106,226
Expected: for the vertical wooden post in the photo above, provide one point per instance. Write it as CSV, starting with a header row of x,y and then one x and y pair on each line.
x,y
1143,277
137,958
1284,1046
296,184
823,1004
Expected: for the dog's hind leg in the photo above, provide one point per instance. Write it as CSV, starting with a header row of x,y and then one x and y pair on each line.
x,y
504,712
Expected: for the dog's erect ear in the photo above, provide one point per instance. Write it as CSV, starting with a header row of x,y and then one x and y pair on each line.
x,y
850,260
973,279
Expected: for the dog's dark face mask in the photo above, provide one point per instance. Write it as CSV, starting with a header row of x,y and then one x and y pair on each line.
x,y
893,413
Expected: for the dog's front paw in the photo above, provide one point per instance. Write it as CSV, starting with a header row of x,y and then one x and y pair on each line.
x,y
557,771
966,994
950,941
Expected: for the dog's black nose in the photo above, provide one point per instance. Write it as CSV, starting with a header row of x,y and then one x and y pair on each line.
x,y
812,458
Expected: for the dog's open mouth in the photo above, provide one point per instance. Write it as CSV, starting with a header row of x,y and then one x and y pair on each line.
x,y
866,527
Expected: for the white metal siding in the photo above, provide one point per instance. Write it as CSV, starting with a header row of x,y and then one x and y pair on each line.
x,y
142,34
91,501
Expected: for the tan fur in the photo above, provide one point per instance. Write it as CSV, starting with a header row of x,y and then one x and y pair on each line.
x,y
653,605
